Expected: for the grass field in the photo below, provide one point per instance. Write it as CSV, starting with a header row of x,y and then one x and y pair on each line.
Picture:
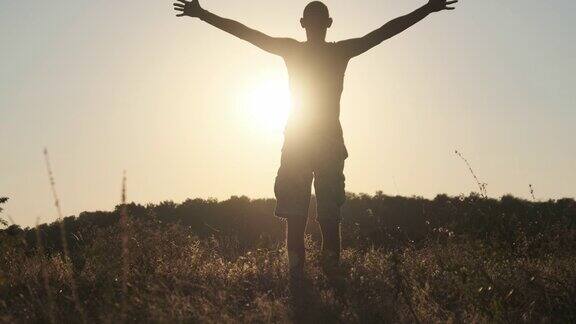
x,y
459,259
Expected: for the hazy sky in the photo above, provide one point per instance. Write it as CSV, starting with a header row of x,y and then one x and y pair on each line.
x,y
109,86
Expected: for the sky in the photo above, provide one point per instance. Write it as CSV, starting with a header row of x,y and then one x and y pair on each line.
x,y
189,111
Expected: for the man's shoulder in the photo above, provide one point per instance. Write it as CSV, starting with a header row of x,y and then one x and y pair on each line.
x,y
290,46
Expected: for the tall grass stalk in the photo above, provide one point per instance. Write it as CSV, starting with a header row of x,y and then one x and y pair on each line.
x,y
532,192
481,185
125,252
65,249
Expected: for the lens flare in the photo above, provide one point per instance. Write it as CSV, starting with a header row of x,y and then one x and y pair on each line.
x,y
268,105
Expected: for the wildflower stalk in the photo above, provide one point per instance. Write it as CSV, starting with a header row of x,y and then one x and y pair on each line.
x,y
125,253
532,192
60,220
481,185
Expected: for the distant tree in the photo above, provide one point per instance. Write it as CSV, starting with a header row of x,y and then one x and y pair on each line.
x,y
2,221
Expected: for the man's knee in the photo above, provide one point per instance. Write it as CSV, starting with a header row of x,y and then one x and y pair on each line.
x,y
330,195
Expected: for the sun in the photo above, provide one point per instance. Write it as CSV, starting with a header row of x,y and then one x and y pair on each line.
x,y
268,105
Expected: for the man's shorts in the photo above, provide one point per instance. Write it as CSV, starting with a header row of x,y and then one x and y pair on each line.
x,y
298,167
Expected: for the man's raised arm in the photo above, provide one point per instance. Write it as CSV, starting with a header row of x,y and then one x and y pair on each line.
x,y
357,46
270,44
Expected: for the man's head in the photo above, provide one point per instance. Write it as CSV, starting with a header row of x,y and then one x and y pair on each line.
x,y
316,20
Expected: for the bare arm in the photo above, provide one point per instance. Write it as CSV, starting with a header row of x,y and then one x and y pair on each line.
x,y
270,44
357,46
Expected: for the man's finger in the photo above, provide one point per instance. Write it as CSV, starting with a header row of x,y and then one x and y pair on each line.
x,y
449,8
451,2
183,1
178,5
178,9
180,15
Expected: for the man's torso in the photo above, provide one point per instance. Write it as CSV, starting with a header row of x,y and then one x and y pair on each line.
x,y
316,74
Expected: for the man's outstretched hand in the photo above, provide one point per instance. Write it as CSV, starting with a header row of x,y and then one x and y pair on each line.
x,y
439,5
188,8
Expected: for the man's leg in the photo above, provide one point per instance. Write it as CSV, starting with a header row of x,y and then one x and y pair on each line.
x,y
295,243
331,241
330,196
292,188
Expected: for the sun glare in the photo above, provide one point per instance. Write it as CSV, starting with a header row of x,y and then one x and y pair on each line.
x,y
268,105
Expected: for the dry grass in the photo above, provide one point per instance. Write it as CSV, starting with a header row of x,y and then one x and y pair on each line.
x,y
175,276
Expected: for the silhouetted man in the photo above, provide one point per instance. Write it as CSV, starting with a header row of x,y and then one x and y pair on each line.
x,y
313,143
